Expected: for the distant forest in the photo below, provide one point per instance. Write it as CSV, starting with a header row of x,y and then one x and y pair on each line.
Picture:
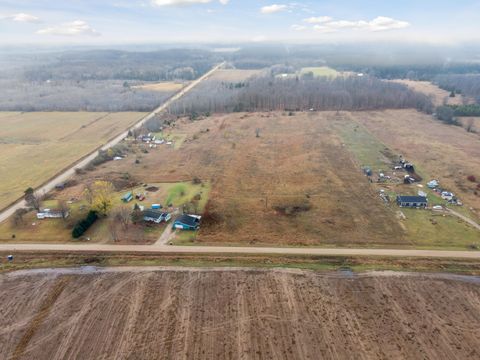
x,y
267,93
99,80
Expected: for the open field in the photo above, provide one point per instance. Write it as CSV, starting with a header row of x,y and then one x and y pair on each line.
x,y
320,71
153,313
439,96
234,75
164,86
473,122
260,185
299,183
35,146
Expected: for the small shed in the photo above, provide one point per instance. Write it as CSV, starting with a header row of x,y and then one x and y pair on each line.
x,y
127,197
412,201
187,222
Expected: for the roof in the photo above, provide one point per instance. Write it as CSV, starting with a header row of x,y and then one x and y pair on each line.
x,y
412,199
188,220
152,214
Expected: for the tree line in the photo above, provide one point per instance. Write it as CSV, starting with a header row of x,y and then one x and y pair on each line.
x,y
267,93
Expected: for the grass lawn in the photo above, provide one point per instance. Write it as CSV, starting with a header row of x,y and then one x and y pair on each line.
x,y
428,229
368,150
176,138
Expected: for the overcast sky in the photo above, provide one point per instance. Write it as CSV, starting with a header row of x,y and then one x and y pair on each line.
x,y
163,21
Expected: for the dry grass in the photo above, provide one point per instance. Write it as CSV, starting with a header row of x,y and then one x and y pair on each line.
x,y
35,146
296,160
234,75
165,86
439,96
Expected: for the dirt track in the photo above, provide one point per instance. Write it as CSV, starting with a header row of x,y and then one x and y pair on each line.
x,y
237,314
165,249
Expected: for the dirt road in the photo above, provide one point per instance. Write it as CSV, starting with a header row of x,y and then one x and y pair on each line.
x,y
464,218
106,248
50,185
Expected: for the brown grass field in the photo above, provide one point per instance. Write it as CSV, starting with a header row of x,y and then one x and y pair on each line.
x,y
297,161
233,75
145,313
299,183
164,86
439,96
35,146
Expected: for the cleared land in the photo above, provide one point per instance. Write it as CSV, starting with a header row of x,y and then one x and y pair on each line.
x,y
439,96
233,75
35,146
320,71
284,187
165,86
299,183
248,314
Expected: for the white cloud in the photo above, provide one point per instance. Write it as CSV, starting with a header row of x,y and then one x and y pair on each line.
x,y
274,8
382,23
318,20
184,2
21,17
325,24
74,28
298,27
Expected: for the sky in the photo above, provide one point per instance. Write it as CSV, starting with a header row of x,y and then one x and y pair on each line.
x,y
230,21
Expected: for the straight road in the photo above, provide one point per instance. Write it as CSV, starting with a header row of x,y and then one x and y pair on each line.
x,y
165,249
65,175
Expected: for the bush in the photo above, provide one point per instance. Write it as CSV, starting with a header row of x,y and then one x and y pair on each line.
x,y
82,226
471,178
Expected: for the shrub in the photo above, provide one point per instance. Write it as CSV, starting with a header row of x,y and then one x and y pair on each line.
x,y
471,178
82,226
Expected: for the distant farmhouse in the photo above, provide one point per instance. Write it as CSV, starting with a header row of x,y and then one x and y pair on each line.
x,y
412,201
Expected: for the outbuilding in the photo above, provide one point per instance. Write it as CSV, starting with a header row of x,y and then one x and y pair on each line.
x,y
412,201
187,222
127,197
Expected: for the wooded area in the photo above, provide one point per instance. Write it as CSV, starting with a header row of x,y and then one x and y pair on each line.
x,y
300,93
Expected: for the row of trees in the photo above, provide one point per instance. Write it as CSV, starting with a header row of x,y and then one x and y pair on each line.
x,y
268,93
466,84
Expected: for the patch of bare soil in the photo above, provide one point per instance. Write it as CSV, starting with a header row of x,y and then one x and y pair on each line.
x,y
237,314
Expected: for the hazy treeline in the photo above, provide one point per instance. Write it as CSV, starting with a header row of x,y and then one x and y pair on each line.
x,y
466,84
108,95
122,65
296,94
96,80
